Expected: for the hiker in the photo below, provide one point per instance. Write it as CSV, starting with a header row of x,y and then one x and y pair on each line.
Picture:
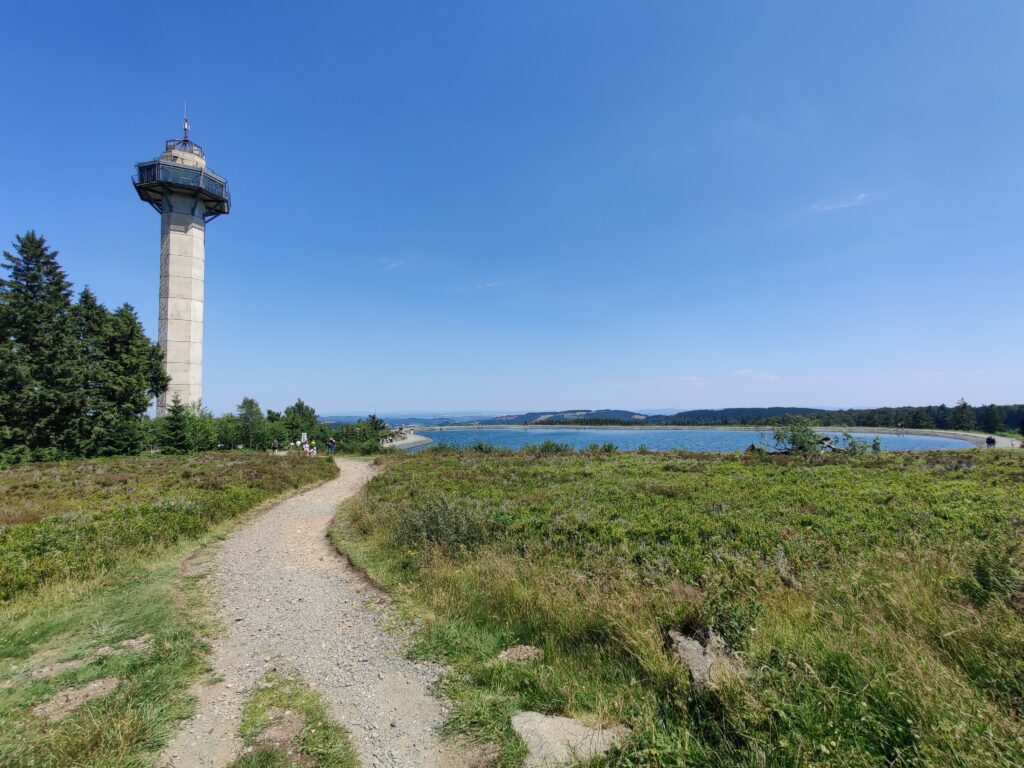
x,y
330,446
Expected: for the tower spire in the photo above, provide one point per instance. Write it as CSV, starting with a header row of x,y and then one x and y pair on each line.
x,y
185,124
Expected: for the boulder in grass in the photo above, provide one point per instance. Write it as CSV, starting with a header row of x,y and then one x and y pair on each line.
x,y
521,653
707,657
559,741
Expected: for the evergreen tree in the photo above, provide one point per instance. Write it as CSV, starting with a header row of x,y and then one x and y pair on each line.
x,y
920,419
992,419
962,416
134,376
41,372
91,323
175,430
252,424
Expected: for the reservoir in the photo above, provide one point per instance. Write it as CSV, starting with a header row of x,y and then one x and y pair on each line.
x,y
626,439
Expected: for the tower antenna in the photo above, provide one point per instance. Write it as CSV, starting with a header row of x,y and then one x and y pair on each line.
x,y
186,120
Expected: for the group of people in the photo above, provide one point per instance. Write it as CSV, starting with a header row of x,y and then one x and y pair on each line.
x,y
308,447
990,442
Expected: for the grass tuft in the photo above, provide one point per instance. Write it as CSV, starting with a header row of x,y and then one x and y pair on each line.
x,y
313,741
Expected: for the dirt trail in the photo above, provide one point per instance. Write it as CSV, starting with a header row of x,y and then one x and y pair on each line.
x,y
288,601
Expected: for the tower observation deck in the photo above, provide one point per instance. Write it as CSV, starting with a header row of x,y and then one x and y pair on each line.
x,y
187,195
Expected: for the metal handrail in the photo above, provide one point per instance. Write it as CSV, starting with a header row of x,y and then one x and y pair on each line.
x,y
186,145
172,173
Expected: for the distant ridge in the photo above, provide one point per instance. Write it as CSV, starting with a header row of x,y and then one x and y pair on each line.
x,y
616,417
990,418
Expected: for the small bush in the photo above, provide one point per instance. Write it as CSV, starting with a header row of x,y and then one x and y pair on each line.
x,y
549,446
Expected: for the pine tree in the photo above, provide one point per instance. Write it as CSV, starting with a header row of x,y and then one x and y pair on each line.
x,y
41,371
91,323
174,432
962,416
992,421
134,376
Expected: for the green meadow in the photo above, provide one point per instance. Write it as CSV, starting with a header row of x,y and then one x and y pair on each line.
x,y
876,602
91,556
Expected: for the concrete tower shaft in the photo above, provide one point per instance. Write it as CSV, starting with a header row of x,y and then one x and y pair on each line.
x,y
182,290
187,195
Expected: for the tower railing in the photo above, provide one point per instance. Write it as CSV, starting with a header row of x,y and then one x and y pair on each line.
x,y
153,175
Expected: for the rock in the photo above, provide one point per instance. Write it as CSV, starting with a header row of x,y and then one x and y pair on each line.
x,y
55,669
521,653
66,702
557,741
136,643
706,656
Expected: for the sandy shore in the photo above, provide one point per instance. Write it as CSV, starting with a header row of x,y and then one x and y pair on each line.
x,y
411,440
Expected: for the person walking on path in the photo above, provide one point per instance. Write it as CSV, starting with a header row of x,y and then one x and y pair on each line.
x,y
330,446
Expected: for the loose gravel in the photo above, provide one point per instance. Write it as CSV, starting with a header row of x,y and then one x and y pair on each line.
x,y
288,601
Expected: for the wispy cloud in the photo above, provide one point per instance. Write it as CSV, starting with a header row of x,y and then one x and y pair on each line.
x,y
688,378
752,375
392,263
825,207
484,286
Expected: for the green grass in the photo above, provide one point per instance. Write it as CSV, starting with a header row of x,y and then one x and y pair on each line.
x,y
77,519
72,620
79,601
878,602
318,743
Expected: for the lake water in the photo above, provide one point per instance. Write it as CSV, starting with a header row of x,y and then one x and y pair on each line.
x,y
703,440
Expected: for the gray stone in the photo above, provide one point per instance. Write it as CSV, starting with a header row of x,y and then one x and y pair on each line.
x,y
707,657
558,741
521,653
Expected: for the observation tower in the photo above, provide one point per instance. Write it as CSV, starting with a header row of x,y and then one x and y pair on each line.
x,y
187,195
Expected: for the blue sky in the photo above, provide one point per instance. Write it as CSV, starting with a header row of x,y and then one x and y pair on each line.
x,y
511,206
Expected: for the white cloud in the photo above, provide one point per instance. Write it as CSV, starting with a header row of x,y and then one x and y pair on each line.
x,y
823,207
691,379
752,375
392,263
477,286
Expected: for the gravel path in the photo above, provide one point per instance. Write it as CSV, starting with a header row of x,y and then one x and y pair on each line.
x,y
288,601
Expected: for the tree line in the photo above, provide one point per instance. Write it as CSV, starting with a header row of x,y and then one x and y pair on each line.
x,y
186,429
77,380
963,416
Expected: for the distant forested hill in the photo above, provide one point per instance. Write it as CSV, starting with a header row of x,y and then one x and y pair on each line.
x,y
724,416
619,417
962,416
562,417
